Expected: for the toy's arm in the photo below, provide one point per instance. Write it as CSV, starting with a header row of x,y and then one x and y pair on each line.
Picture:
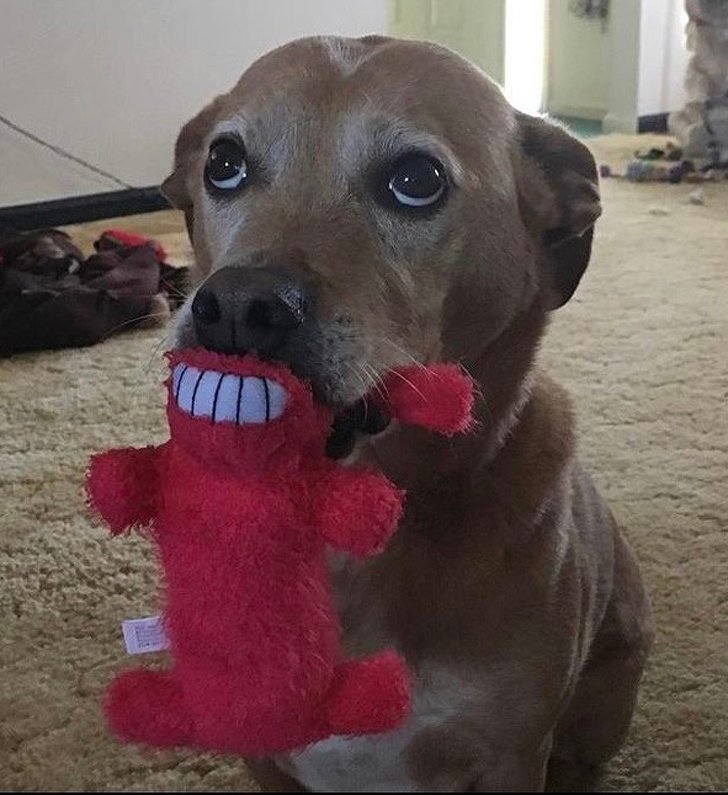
x,y
358,510
122,485
438,397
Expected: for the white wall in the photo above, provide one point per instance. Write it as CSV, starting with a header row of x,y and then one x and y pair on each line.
x,y
647,57
632,66
624,61
577,64
525,54
663,57
113,80
677,58
473,28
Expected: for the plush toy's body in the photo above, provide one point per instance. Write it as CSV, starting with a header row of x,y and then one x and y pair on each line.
x,y
242,502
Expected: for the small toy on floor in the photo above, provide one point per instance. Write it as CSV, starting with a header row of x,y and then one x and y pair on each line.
x,y
121,238
646,167
670,152
242,502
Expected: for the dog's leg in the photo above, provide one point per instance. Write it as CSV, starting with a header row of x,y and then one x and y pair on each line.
x,y
597,719
525,772
450,761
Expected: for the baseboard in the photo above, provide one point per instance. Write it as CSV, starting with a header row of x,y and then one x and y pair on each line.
x,y
654,123
574,111
613,122
77,209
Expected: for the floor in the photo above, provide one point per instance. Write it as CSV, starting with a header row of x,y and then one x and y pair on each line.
x,y
642,348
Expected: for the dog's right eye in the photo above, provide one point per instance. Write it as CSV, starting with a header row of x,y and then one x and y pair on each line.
x,y
226,169
417,182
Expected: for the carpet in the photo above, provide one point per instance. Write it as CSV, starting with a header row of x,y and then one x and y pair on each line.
x,y
642,347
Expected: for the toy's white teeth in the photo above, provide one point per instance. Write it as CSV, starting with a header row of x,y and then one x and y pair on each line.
x,y
226,397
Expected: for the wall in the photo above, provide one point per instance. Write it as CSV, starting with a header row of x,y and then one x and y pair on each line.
x,y
113,80
663,57
473,28
647,61
624,59
632,66
577,64
525,54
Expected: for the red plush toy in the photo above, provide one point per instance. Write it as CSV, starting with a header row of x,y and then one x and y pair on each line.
x,y
242,502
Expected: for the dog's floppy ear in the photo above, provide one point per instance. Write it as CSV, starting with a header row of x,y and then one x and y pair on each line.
x,y
559,197
189,143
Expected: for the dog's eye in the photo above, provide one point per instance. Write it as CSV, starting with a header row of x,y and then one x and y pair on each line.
x,y
417,181
226,168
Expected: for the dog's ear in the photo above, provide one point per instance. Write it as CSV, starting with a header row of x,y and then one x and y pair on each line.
x,y
176,187
559,198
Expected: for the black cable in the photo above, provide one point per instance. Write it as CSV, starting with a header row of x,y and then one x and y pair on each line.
x,y
62,152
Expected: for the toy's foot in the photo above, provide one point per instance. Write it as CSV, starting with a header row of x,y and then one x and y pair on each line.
x,y
370,695
145,706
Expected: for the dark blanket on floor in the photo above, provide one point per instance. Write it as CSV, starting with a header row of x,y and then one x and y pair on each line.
x,y
51,296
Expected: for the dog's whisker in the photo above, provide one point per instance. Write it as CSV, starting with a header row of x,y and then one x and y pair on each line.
x,y
477,389
189,296
163,341
358,375
138,319
409,383
404,353
172,290
377,382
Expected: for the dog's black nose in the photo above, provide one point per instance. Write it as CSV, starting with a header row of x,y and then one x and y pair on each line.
x,y
242,309
206,307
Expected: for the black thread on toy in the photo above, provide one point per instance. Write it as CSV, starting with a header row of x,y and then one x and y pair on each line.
x,y
267,400
194,393
240,395
217,392
179,383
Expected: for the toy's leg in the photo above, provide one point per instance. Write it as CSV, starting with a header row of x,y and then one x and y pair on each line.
x,y
144,706
369,696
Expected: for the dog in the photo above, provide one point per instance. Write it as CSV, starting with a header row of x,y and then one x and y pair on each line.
x,y
357,204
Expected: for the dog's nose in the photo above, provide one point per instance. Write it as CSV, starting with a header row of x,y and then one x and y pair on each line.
x,y
242,309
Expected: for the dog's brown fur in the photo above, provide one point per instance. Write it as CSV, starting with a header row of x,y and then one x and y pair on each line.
x,y
508,572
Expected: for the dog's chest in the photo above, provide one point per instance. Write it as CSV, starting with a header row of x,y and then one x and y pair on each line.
x,y
377,763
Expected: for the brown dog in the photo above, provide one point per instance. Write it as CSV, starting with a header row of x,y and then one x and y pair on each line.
x,y
357,204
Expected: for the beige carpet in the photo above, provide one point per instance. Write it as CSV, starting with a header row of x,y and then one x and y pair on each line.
x,y
644,349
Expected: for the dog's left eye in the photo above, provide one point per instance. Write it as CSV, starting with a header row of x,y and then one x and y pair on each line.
x,y
416,181
226,168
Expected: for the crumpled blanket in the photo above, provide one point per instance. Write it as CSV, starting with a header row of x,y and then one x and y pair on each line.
x,y
51,296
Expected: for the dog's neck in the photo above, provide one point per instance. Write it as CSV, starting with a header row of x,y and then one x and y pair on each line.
x,y
503,372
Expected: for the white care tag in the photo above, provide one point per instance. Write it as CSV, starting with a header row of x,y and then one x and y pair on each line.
x,y
143,635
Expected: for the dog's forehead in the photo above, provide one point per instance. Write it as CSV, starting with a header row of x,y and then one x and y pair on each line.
x,y
388,89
